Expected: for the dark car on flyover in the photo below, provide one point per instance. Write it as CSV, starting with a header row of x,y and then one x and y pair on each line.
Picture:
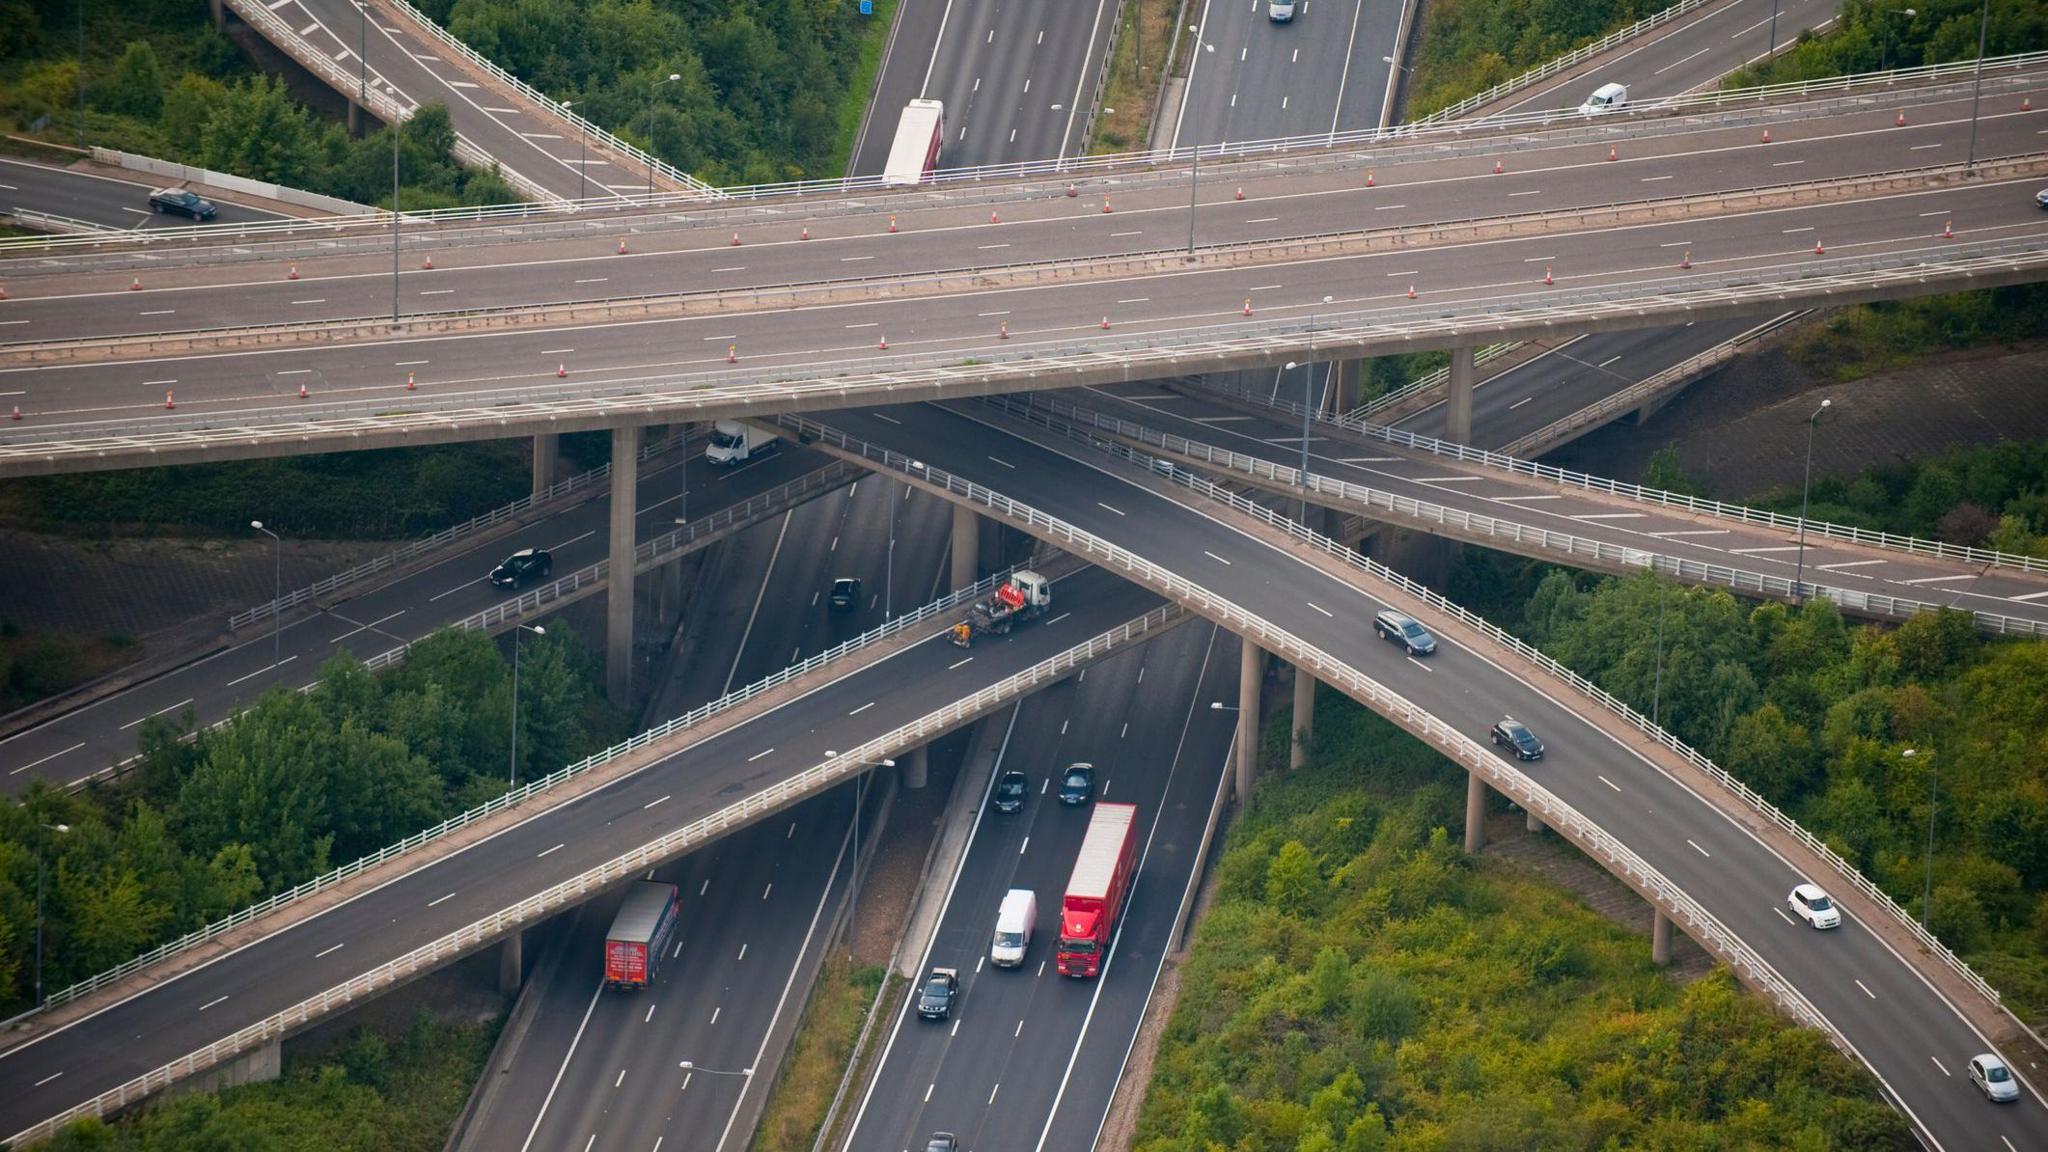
x,y
935,999
1010,791
182,201
522,566
1515,736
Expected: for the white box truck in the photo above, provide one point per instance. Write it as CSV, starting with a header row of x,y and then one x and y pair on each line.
x,y
1014,921
734,442
915,150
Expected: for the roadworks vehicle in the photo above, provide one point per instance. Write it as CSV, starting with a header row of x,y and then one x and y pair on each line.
x,y
1025,596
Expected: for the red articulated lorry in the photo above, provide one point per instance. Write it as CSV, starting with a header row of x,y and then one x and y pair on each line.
x,y
639,933
1096,891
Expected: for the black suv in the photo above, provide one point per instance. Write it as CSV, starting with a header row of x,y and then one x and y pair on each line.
x,y
183,201
845,594
522,566
1512,734
1401,628
1010,791
935,999
1077,786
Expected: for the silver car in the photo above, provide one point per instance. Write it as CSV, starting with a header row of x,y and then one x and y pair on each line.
x,y
1994,1079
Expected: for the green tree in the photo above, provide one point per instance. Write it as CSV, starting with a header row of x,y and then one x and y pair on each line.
x,y
1294,882
136,85
258,132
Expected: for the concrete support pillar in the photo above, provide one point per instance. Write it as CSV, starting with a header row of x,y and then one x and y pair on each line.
x,y
1475,813
1304,717
511,963
1532,821
547,450
1458,401
913,765
1348,380
220,16
966,547
1660,938
1251,672
357,121
618,632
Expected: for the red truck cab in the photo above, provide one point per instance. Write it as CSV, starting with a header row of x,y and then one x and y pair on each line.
x,y
1096,891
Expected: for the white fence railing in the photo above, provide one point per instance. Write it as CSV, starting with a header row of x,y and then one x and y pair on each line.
x,y
637,860
1506,777
522,793
1616,404
446,536
1375,571
1721,510
282,193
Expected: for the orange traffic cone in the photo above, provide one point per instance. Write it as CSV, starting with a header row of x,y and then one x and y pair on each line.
x,y
1546,275
1368,177
135,285
409,385
302,391
807,233
892,223
993,218
17,411
1901,121
1948,230
3,291
732,353
1767,135
294,273
1072,191
1002,330
1687,261
1411,291
622,245
1818,250
1240,193
1105,203
1105,323
882,345
427,264
1247,305
1497,169
1612,155
562,370
168,402
735,240
2026,103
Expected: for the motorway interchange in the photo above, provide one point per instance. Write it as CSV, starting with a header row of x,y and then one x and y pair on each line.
x,y
991,1079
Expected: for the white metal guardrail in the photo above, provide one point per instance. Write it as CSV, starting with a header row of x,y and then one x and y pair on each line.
x,y
1071,419
63,225
172,170
518,795
1506,777
1566,478
1562,63
1373,570
1634,396
441,539
580,887
994,183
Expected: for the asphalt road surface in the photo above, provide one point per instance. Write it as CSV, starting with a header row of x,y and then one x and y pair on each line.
x,y
378,618
1916,1042
1252,79
1030,1058
106,201
183,1013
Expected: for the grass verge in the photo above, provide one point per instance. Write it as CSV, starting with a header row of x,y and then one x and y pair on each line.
x,y
862,87
817,1057
36,665
1136,70
376,1093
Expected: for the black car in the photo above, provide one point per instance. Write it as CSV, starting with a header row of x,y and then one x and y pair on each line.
x,y
522,566
845,594
1077,786
1515,735
942,1142
935,999
1401,628
1010,791
182,201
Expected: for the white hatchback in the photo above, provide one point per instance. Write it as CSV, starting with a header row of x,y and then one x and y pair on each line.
x,y
1813,906
1994,1079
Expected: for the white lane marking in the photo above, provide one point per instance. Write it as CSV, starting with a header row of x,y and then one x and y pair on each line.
x,y
1693,532
336,948
367,627
1862,564
704,887
960,663
1057,619
261,671
1114,235
1519,403
1100,504
436,291
1698,849
621,1079
47,1079
758,755
743,952
1940,1065
211,1003
1610,783
764,896
1320,608
1756,551
2022,599
1782,916
1420,664
1611,516
431,903
652,803
1516,499
992,1092
649,1018
188,700
1004,463
859,710
551,851
1866,989
1939,579
594,280
1024,845
1221,560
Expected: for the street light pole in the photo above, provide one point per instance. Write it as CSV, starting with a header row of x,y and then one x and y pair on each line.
x,y
276,594
58,828
395,121
582,158
362,62
1884,41
1657,685
1806,491
1771,45
672,77
512,778
1933,779
1195,167
853,877
1977,83
1308,380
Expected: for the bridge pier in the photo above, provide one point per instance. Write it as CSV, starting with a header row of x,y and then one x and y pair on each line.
x,y
220,15
1347,380
1475,813
1251,671
1304,717
511,963
1532,821
1458,399
618,632
913,767
547,447
966,547
1660,938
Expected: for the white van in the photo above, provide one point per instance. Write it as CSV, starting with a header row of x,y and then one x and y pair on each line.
x,y
1605,98
1013,927
1280,11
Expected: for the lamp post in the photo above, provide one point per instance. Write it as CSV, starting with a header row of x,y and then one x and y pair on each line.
x,y
81,72
1657,684
276,594
672,78
1195,168
1977,83
853,877
395,122
362,62
1884,40
582,157
1805,492
60,829
1308,379
1933,779
1771,45
512,779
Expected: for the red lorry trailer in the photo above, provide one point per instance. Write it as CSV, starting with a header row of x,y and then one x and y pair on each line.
x,y
639,934
1096,890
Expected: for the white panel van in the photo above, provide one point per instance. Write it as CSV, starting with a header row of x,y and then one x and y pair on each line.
x,y
1605,98
1014,921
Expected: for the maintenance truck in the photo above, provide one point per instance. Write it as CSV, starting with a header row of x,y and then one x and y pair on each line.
x,y
1024,596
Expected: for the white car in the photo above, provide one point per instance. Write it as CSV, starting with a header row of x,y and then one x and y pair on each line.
x,y
1813,906
1990,1074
